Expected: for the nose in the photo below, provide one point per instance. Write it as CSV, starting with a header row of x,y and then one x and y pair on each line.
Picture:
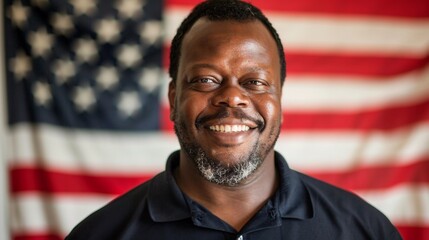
x,y
231,96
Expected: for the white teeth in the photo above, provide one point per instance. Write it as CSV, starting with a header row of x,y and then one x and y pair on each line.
x,y
229,128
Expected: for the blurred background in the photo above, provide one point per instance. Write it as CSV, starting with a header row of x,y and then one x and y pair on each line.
x,y
84,113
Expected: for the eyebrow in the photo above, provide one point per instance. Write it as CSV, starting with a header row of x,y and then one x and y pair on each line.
x,y
256,69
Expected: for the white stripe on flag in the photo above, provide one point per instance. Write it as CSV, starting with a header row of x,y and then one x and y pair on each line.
x,y
403,205
340,151
349,93
38,213
101,152
75,150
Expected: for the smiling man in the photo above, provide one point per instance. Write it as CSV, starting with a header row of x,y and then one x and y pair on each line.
x,y
226,182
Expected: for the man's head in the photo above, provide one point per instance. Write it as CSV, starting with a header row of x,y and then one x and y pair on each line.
x,y
222,10
225,96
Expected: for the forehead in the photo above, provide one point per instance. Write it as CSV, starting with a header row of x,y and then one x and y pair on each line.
x,y
233,40
222,31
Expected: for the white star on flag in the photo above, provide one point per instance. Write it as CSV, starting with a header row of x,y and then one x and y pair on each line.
x,y
83,98
130,8
42,93
86,50
107,77
151,31
18,13
107,30
129,55
63,70
129,103
83,7
62,23
40,42
20,65
150,78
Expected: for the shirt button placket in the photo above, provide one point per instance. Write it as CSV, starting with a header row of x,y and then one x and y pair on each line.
x,y
240,237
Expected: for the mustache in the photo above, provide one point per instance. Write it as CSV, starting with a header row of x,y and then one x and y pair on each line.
x,y
225,113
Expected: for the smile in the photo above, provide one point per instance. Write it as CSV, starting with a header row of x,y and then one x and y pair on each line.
x,y
229,128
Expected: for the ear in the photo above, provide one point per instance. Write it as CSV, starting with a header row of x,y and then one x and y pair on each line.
x,y
172,98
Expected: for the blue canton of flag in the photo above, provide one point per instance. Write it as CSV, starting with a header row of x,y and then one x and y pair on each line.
x,y
83,63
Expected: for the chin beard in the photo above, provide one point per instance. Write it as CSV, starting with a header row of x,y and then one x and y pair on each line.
x,y
213,169
223,174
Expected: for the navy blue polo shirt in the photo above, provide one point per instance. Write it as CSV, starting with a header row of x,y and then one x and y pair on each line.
x,y
301,208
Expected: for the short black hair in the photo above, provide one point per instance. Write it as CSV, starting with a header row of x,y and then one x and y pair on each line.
x,y
221,10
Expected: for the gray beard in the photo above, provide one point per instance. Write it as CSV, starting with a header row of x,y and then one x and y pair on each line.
x,y
228,175
215,171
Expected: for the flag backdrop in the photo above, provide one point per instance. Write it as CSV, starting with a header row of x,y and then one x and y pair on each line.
x,y
88,115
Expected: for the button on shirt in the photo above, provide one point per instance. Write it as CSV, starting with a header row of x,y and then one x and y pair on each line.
x,y
301,208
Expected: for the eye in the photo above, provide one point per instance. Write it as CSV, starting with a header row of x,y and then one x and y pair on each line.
x,y
205,80
255,82
256,85
204,84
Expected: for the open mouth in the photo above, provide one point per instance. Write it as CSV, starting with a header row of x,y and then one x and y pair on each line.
x,y
229,128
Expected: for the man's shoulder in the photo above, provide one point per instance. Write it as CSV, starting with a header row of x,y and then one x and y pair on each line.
x,y
338,206
328,192
331,197
111,218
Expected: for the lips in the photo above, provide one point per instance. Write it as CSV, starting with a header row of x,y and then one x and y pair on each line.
x,y
229,128
229,121
227,133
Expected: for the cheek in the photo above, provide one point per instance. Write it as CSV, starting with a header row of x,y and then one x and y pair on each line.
x,y
270,109
190,107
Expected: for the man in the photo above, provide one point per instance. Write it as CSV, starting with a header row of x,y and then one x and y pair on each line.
x,y
227,182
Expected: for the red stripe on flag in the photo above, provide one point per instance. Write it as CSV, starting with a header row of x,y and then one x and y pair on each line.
x,y
45,180
399,8
50,181
165,122
324,63
38,236
413,232
365,178
377,119
373,66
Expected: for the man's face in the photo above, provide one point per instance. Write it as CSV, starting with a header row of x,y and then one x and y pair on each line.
x,y
225,102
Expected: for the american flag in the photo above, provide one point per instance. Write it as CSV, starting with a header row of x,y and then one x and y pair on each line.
x,y
88,111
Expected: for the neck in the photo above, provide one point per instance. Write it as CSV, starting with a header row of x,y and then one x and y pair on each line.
x,y
235,205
